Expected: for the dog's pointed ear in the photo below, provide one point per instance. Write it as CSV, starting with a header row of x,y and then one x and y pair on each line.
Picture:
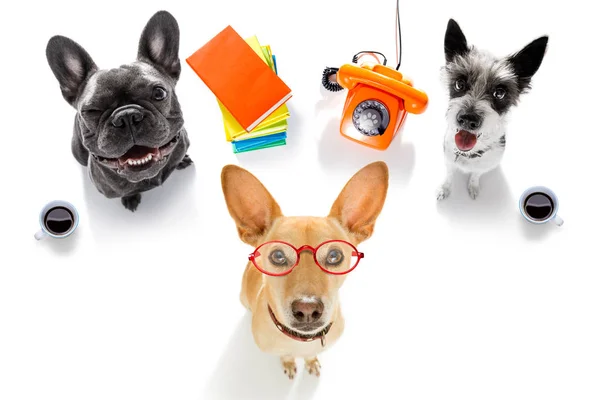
x,y
159,44
249,203
360,202
71,65
527,61
455,42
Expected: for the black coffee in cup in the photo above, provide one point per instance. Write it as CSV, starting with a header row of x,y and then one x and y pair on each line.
x,y
59,220
539,206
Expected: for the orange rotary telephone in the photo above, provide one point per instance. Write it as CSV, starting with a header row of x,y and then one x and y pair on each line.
x,y
379,97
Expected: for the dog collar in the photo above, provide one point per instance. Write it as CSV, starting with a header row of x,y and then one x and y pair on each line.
x,y
298,336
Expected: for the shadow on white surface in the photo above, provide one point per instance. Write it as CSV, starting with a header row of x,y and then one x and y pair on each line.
x,y
245,372
338,152
60,247
538,232
159,206
495,202
330,100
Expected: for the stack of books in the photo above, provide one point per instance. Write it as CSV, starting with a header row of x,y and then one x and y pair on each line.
x,y
242,74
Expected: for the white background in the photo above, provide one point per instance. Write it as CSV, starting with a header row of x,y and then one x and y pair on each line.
x,y
461,300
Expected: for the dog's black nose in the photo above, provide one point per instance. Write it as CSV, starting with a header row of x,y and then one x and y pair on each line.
x,y
469,121
307,310
127,117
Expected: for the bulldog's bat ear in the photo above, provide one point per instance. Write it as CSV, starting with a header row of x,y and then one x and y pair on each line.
x,y
159,44
71,65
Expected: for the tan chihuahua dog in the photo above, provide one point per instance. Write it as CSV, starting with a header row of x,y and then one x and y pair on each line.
x,y
291,282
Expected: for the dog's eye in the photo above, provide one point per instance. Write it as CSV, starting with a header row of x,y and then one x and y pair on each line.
x,y
277,257
334,257
499,93
91,112
460,85
159,93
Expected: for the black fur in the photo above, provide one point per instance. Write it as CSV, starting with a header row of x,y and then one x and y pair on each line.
x,y
471,154
131,202
453,91
186,162
473,77
502,141
527,61
107,99
71,64
166,55
455,42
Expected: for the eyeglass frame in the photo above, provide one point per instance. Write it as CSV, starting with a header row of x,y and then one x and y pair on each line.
x,y
355,253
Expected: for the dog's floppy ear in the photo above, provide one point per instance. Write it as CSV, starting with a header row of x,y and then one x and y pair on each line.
x,y
71,65
527,61
360,202
159,44
455,42
250,204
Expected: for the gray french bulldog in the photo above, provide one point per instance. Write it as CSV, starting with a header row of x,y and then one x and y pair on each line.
x,y
129,126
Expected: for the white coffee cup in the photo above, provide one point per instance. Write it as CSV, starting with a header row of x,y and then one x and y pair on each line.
x,y
539,205
58,219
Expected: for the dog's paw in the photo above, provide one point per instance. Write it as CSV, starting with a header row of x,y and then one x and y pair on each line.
x,y
443,193
132,202
289,367
313,366
473,190
186,162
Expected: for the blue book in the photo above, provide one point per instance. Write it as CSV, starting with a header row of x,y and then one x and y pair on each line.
x,y
259,142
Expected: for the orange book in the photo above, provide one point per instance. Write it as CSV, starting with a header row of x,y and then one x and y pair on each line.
x,y
236,75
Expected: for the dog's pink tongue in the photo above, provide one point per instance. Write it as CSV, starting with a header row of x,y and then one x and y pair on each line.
x,y
465,140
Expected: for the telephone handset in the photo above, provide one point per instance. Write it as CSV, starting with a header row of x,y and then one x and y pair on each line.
x,y
386,79
379,97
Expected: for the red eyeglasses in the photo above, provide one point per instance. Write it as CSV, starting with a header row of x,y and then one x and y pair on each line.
x,y
277,258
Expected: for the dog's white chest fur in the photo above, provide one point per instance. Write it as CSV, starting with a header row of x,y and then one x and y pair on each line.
x,y
484,157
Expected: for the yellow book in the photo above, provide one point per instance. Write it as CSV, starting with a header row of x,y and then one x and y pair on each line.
x,y
262,51
266,50
273,123
269,130
233,129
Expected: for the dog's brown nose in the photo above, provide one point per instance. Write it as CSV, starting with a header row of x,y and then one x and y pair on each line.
x,y
307,310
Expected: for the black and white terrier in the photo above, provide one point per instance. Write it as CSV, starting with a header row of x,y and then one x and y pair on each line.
x,y
483,89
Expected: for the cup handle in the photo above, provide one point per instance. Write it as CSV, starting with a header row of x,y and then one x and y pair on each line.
x,y
558,220
39,235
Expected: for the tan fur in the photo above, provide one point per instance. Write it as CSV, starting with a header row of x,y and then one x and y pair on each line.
x,y
259,219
